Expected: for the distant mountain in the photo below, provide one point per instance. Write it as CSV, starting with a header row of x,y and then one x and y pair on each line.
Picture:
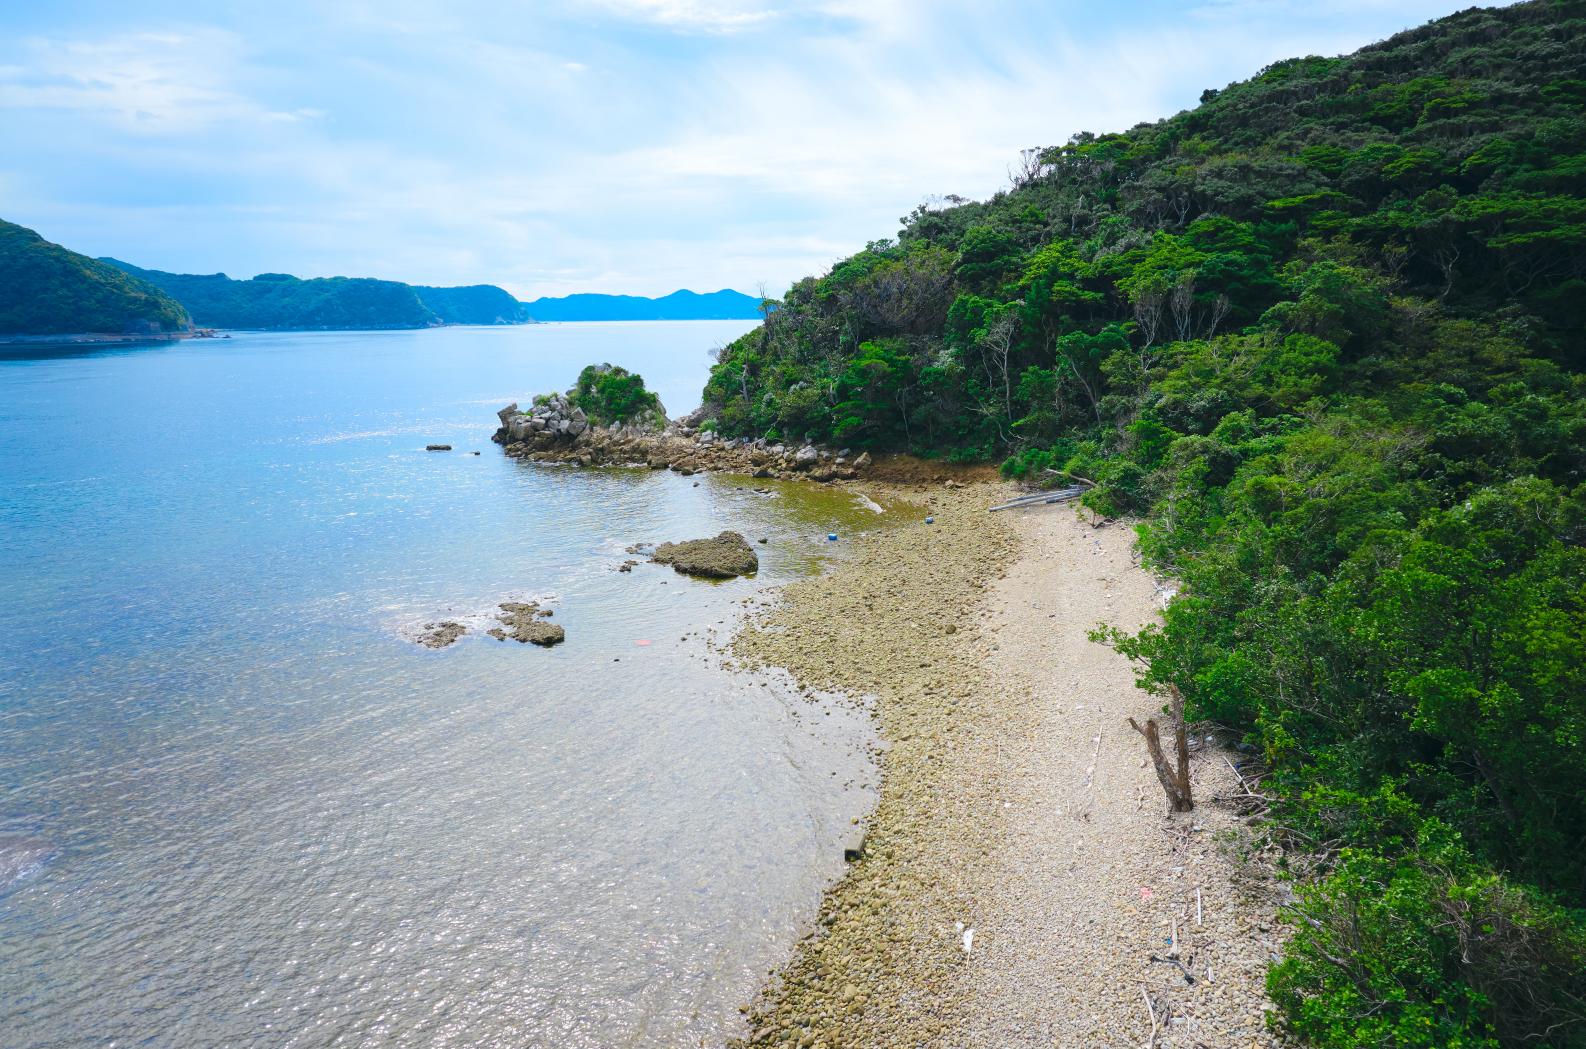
x,y
475,304
46,289
678,306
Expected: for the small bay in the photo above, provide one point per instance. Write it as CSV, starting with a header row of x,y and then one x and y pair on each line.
x,y
244,807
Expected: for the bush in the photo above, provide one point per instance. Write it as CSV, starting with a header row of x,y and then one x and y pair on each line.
x,y
613,396
1425,951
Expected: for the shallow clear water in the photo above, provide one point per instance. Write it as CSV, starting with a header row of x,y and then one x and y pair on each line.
x,y
239,807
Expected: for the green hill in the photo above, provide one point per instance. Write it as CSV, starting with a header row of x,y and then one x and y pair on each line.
x,y
474,304
46,289
1326,334
279,300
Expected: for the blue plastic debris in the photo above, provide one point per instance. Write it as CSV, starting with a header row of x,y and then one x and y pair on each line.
x,y
831,537
930,520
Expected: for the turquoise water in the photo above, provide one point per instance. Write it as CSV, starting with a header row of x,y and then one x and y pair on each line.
x,y
238,806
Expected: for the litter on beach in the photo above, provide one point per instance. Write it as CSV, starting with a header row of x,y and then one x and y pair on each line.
x,y
831,537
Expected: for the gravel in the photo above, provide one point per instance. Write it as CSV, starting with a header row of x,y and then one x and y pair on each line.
x,y
1017,812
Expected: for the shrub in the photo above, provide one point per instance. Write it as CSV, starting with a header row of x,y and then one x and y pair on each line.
x,y
611,396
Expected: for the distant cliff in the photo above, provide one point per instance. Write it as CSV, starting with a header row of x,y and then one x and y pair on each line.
x,y
678,306
46,289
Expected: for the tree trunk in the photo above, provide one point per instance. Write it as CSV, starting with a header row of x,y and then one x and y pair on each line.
x,y
1175,781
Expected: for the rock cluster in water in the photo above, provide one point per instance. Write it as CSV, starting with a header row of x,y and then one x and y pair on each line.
x,y
554,430
524,621
721,557
439,635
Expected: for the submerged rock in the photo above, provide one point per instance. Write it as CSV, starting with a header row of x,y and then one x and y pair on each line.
x,y
20,856
437,447
723,557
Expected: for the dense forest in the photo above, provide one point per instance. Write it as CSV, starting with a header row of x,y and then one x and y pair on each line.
x,y
279,300
46,289
1325,335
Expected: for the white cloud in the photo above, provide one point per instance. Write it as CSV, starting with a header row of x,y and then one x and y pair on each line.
x,y
553,154
710,16
148,83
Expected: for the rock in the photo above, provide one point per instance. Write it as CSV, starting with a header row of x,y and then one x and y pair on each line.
x,y
437,447
439,635
723,557
525,623
626,566
807,454
863,461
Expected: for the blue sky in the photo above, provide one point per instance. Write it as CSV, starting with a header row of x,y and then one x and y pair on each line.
x,y
618,145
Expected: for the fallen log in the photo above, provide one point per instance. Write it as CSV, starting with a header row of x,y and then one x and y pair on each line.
x,y
1041,498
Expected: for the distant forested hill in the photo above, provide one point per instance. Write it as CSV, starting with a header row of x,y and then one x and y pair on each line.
x,y
1325,334
279,300
46,289
678,306
475,304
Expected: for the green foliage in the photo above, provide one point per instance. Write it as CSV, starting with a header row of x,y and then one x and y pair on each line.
x,y
1425,950
611,396
47,290
1326,333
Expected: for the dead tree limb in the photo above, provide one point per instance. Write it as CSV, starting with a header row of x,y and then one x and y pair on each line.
x,y
1175,781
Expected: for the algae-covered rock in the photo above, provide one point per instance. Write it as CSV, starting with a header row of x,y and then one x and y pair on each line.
x,y
523,621
723,557
439,635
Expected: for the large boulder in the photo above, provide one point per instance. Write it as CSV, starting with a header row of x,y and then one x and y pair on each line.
x,y
722,557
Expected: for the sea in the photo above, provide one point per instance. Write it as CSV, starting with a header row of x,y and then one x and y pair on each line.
x,y
240,806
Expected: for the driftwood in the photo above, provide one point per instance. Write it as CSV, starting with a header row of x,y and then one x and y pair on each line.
x,y
1175,780
1040,498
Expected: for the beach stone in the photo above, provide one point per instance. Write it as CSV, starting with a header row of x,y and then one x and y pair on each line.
x,y
721,557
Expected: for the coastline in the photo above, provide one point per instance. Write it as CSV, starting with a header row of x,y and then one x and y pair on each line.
x,y
1019,871
99,338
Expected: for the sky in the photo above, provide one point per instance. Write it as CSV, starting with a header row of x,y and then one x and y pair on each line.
x,y
633,146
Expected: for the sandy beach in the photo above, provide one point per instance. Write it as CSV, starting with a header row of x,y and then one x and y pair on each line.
x,y
1021,883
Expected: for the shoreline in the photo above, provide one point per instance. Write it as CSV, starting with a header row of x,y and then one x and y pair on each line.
x,y
1019,871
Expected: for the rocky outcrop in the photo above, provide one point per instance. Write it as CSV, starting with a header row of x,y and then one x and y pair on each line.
x,y
728,554
524,621
556,432
548,421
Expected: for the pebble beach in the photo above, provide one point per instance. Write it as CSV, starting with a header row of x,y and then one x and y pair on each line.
x,y
1019,881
